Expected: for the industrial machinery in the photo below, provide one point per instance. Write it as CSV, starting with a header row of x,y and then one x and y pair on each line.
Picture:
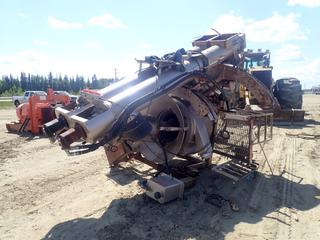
x,y
287,91
169,111
315,90
258,64
37,111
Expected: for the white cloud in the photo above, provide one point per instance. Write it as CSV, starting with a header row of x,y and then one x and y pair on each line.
x,y
288,53
38,62
22,15
289,61
60,24
40,42
92,44
307,71
229,23
275,29
106,21
305,3
32,61
278,30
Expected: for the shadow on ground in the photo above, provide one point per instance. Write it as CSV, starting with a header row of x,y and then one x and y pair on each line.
x,y
125,175
307,123
27,136
193,217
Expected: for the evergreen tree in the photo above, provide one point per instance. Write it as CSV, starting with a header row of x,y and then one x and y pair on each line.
x,y
11,85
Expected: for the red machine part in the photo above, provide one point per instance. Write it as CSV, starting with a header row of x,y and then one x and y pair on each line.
x,y
90,91
36,112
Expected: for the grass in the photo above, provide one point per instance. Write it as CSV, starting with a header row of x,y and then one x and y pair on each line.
x,y
6,104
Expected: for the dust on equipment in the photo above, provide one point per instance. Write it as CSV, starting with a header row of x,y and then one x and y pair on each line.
x,y
164,188
167,115
36,112
287,91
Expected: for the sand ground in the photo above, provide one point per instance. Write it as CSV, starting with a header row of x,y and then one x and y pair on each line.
x,y
46,194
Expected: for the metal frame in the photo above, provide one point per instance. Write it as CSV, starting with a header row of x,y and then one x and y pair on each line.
x,y
242,130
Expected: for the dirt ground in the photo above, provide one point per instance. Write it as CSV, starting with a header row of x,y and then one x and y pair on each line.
x,y
46,194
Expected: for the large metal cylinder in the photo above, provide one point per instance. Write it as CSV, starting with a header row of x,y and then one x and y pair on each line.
x,y
110,103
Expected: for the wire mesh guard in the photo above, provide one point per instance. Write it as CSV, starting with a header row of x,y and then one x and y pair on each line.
x,y
236,133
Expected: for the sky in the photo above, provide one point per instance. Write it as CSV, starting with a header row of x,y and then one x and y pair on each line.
x,y
97,36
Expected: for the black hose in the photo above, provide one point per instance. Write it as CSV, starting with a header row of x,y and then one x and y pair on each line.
x,y
166,159
120,123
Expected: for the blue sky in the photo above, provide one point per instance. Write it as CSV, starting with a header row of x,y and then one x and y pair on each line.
x,y
86,37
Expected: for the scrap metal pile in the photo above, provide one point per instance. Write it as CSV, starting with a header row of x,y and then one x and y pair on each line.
x,y
169,110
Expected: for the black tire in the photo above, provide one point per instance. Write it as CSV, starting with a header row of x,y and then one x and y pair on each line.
x,y
289,92
16,103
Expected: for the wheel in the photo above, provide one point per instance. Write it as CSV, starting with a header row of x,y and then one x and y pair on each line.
x,y
16,103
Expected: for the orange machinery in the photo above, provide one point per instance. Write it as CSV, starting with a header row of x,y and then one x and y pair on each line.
x,y
36,112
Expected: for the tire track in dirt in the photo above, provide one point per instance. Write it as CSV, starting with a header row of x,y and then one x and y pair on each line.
x,y
287,169
37,198
282,160
24,193
276,148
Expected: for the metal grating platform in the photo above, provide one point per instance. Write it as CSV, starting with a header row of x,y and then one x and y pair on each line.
x,y
236,170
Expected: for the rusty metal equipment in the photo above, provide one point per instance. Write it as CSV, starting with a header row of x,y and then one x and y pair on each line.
x,y
257,63
236,133
287,91
36,112
169,110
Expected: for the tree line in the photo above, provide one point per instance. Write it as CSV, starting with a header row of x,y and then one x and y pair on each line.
x,y
10,85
